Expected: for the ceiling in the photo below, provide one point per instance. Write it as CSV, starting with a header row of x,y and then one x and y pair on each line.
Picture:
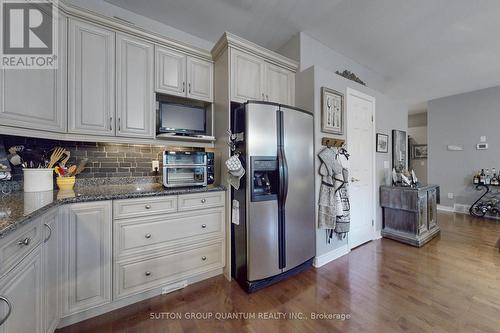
x,y
426,49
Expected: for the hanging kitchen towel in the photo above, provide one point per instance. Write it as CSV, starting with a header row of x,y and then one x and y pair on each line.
x,y
343,221
329,200
235,212
235,171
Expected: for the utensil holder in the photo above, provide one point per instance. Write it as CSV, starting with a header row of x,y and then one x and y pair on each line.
x,y
65,183
38,180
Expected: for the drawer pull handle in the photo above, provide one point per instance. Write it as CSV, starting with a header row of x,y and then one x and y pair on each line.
x,y
24,242
148,206
203,258
50,232
148,236
147,273
203,226
8,311
203,200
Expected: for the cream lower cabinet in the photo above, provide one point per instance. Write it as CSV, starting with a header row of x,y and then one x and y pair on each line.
x,y
88,254
51,261
21,291
158,250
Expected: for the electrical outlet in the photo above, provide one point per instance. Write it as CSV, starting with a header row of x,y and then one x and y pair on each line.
x,y
155,165
450,195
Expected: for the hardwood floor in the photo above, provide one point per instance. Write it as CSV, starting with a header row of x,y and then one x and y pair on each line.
x,y
450,285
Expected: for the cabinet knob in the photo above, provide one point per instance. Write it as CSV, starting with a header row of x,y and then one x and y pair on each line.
x,y
203,200
203,226
148,236
148,206
148,273
203,258
25,241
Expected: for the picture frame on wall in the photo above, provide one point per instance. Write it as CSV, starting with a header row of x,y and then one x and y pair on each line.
x,y
399,150
419,151
382,143
332,111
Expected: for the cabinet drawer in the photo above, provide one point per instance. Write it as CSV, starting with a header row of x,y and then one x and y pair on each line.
x,y
19,244
201,200
142,274
154,233
144,206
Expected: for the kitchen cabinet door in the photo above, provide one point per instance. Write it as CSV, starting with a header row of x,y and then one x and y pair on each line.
x,y
200,79
88,250
170,72
280,85
134,82
22,288
36,98
247,77
91,86
51,271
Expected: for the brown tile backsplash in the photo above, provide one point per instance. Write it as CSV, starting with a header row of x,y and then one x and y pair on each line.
x,y
105,160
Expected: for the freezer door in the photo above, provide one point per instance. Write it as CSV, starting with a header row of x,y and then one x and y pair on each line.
x,y
299,206
262,215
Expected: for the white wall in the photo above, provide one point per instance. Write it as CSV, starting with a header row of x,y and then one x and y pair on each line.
x,y
107,9
389,115
419,136
311,52
461,120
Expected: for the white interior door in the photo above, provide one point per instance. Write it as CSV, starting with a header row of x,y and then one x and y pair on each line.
x,y
361,143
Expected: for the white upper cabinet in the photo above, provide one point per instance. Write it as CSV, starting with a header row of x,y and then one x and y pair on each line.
x,y
182,75
247,77
252,78
36,98
280,85
200,79
170,72
91,86
134,87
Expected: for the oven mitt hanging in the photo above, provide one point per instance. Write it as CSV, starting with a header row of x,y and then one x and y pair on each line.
x,y
235,171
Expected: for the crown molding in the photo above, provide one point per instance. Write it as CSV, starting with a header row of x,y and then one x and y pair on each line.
x,y
124,26
229,40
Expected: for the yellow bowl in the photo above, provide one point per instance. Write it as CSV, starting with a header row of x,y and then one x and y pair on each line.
x,y
65,183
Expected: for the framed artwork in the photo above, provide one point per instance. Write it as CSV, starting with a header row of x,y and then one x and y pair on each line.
x,y
399,150
382,143
419,151
332,111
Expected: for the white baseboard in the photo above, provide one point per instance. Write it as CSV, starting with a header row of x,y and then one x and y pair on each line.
x,y
330,256
445,208
378,235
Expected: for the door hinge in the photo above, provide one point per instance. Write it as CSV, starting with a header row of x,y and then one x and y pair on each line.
x,y
373,222
372,118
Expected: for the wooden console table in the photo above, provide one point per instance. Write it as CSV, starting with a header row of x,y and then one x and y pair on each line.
x,y
410,214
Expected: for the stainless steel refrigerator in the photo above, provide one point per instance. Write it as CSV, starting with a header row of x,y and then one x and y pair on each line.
x,y
275,236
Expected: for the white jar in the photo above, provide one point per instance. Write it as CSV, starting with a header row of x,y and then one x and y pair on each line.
x,y
37,180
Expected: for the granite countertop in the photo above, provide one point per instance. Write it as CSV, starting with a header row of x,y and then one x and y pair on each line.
x,y
18,208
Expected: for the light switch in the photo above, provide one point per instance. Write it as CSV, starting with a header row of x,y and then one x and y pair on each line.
x,y
482,138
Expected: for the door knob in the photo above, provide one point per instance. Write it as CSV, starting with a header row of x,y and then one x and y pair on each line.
x,y
203,200
148,206
148,236
354,179
147,273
